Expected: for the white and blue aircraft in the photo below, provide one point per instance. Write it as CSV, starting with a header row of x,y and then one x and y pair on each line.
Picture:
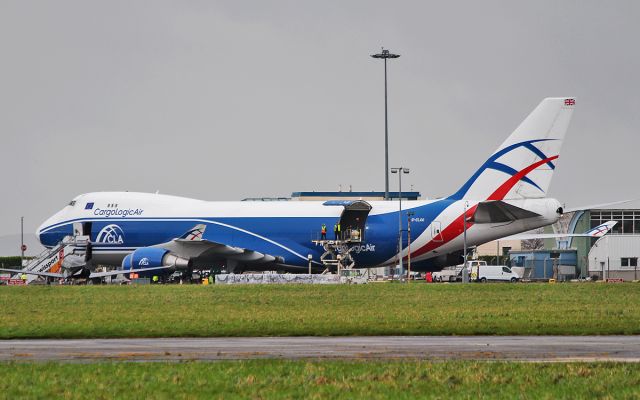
x,y
141,232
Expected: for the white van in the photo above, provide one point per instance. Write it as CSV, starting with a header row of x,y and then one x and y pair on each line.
x,y
496,273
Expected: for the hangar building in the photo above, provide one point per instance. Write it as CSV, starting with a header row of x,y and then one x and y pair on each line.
x,y
624,238
615,256
619,250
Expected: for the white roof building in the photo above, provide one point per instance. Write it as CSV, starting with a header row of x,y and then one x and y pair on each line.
x,y
615,256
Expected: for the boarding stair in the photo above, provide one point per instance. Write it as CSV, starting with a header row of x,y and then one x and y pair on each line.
x,y
51,259
337,255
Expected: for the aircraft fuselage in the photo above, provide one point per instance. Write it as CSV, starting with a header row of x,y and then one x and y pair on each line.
x,y
122,222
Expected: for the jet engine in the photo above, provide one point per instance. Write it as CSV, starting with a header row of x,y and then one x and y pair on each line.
x,y
150,257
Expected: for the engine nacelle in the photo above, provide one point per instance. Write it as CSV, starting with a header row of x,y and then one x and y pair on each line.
x,y
147,257
150,257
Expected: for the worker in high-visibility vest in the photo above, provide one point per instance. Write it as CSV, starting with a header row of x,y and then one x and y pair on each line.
x,y
155,279
323,232
24,277
336,230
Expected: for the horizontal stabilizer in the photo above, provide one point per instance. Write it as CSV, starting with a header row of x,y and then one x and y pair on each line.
x,y
596,232
601,205
491,212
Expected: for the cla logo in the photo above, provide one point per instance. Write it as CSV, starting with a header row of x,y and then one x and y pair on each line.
x,y
144,261
111,234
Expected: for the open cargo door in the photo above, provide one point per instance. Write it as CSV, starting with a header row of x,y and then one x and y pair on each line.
x,y
353,218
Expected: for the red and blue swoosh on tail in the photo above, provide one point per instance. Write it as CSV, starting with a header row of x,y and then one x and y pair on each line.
x,y
456,228
492,163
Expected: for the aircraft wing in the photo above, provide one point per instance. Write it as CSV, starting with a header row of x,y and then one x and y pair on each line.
x,y
189,246
21,271
206,250
596,232
127,271
92,275
192,246
199,250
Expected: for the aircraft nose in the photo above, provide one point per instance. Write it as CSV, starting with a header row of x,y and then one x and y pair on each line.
x,y
39,231
41,234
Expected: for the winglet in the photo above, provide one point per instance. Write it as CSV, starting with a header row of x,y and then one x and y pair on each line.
x,y
601,229
194,233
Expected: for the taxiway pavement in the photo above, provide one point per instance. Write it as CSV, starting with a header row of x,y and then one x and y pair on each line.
x,y
510,348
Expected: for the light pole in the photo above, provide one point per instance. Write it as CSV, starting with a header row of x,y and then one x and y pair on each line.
x,y
465,273
409,215
384,54
21,241
400,171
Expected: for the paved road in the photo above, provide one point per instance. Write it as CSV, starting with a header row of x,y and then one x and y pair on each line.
x,y
523,348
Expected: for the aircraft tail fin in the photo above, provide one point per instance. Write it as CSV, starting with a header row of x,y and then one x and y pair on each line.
x,y
522,167
601,229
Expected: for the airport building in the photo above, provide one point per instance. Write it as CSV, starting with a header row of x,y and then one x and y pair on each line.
x,y
366,196
613,256
620,246
545,264
326,196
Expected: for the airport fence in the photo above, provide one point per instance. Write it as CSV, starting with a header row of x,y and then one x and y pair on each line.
x,y
231,279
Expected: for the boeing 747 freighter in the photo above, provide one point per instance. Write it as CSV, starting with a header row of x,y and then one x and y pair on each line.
x,y
147,233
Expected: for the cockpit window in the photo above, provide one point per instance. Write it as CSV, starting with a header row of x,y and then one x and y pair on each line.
x,y
72,203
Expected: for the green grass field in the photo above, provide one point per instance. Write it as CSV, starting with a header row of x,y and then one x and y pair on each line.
x,y
327,379
279,310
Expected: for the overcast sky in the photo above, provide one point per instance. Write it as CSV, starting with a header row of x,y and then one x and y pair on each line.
x,y
226,100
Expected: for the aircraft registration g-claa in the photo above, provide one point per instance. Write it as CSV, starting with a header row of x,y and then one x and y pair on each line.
x,y
148,233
